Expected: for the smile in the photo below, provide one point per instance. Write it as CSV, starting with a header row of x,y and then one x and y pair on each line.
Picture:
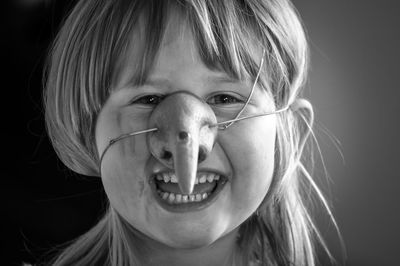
x,y
207,186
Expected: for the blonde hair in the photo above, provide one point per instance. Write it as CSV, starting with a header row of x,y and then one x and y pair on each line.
x,y
80,74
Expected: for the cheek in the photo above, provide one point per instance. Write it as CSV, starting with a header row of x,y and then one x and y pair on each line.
x,y
124,175
124,169
252,159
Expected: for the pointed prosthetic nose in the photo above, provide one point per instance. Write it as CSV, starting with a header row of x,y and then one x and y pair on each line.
x,y
184,137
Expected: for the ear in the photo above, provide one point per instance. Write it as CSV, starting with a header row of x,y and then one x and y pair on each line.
x,y
302,109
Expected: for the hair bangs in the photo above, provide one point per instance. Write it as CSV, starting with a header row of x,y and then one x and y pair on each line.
x,y
225,37
223,33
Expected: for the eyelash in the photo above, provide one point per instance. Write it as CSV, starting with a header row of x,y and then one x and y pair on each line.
x,y
148,99
218,99
224,98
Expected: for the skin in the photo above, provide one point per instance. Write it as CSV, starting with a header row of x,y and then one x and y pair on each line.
x,y
208,236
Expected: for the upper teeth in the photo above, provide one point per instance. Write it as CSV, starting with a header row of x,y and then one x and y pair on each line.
x,y
200,178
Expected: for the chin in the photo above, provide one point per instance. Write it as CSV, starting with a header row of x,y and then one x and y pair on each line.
x,y
190,239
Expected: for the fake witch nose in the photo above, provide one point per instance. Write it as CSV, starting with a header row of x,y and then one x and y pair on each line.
x,y
184,137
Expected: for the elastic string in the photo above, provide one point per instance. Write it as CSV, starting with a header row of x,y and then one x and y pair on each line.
x,y
221,125
247,117
124,136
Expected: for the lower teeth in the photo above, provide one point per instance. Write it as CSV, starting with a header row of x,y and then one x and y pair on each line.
x,y
173,198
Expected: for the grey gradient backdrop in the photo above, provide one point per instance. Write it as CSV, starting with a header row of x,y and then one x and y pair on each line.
x,y
354,86
354,89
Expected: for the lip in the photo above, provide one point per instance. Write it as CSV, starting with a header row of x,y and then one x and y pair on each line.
x,y
192,206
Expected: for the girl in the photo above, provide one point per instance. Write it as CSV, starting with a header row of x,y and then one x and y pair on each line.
x,y
190,112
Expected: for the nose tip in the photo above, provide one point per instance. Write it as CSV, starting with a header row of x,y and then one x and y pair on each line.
x,y
185,163
184,138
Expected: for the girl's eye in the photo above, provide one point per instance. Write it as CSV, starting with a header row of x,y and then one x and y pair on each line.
x,y
223,99
148,100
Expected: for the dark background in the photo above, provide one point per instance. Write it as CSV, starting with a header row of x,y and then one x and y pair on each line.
x,y
353,86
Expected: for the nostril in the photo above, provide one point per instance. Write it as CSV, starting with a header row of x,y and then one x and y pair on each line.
x,y
183,136
166,155
202,154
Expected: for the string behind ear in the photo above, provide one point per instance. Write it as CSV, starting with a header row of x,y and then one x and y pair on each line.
x,y
303,105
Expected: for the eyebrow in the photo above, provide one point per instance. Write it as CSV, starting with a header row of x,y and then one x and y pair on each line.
x,y
224,79
157,83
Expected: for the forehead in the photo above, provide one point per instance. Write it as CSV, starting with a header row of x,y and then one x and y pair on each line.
x,y
152,50
177,55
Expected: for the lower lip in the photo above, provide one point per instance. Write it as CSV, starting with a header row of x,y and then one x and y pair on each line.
x,y
190,206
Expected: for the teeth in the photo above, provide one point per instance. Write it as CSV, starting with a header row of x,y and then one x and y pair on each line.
x,y
203,179
178,198
200,179
198,197
185,198
174,179
166,177
165,195
173,198
210,177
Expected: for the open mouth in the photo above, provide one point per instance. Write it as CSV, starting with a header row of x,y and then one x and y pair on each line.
x,y
207,186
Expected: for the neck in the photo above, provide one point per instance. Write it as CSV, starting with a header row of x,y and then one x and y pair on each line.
x,y
223,251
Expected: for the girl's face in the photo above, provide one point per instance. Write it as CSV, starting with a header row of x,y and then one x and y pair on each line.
x,y
243,153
